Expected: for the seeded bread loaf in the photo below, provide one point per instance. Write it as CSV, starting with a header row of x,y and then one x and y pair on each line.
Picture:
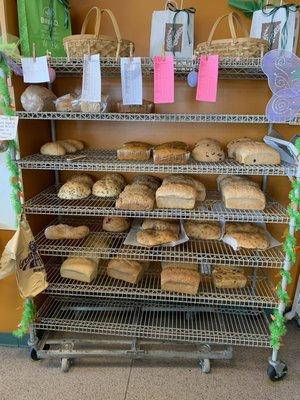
x,y
256,153
153,237
106,188
138,151
116,224
208,150
231,146
161,225
165,265
180,280
136,198
82,178
247,236
229,278
203,230
126,270
153,182
80,269
74,191
61,231
171,153
177,196
188,180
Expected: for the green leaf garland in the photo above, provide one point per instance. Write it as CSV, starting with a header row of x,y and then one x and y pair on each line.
x,y
28,316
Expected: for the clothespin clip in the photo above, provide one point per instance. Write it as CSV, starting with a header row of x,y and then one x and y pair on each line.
x,y
33,52
89,51
131,51
118,50
163,52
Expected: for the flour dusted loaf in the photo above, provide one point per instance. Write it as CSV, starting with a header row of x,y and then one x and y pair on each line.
x,y
136,197
180,279
80,269
74,191
229,278
38,98
53,149
116,224
161,225
153,182
203,230
177,196
136,151
126,270
82,178
171,153
62,231
188,180
247,235
154,237
232,145
242,194
208,150
256,153
107,188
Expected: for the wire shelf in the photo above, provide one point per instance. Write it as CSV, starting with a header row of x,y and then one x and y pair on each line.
x,y
193,251
229,68
128,117
259,291
106,160
156,321
212,209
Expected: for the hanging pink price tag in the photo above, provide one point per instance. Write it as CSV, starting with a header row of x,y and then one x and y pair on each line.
x,y
163,79
208,78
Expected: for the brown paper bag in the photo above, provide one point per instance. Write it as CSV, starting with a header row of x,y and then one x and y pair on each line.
x,y
21,256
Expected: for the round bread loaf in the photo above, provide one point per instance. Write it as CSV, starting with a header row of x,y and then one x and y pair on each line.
x,y
76,143
116,224
208,150
67,146
38,98
113,176
53,149
232,145
107,188
82,178
74,191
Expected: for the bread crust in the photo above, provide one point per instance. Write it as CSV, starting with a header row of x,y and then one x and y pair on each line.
x,y
208,150
256,153
106,188
74,191
229,278
203,230
126,270
116,224
152,237
78,268
171,152
180,280
139,151
62,231
53,149
161,225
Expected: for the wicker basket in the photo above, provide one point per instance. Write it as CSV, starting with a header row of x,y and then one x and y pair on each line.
x,y
146,108
244,47
108,46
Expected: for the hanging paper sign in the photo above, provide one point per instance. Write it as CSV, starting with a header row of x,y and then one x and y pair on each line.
x,y
132,81
35,70
8,127
208,78
91,81
163,79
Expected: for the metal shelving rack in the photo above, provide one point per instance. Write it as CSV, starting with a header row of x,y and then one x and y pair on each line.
x,y
145,312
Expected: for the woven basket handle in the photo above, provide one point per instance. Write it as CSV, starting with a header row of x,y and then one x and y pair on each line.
x,y
232,17
114,22
97,22
235,18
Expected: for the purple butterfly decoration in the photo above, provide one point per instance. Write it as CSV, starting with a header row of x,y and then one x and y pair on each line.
x,y
283,71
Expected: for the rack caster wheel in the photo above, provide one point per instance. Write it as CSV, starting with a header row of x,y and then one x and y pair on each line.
x,y
33,355
204,365
276,372
65,364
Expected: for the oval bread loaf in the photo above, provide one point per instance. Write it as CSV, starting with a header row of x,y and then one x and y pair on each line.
x,y
116,224
82,178
61,231
153,237
74,191
53,149
161,225
38,98
203,230
208,150
107,188
76,143
70,149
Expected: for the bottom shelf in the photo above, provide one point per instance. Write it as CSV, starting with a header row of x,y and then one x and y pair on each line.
x,y
163,321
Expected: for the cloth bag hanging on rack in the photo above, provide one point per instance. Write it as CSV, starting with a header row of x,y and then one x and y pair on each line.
x,y
21,256
277,24
172,31
44,23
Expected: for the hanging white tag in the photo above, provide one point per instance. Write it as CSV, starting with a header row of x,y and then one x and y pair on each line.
x,y
91,81
132,81
35,70
8,127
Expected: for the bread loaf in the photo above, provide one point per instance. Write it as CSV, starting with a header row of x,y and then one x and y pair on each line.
x,y
126,270
74,191
67,103
116,224
153,237
161,225
138,151
182,265
231,146
38,98
208,150
229,278
224,180
106,188
243,196
92,107
76,143
136,198
171,153
80,269
67,146
82,178
247,235
256,153
188,180
113,176
203,230
180,280
152,182
61,231
53,149
177,196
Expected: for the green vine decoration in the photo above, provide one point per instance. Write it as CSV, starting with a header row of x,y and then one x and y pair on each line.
x,y
28,316
278,328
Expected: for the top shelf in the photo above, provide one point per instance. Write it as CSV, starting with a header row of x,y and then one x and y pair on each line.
x,y
230,68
